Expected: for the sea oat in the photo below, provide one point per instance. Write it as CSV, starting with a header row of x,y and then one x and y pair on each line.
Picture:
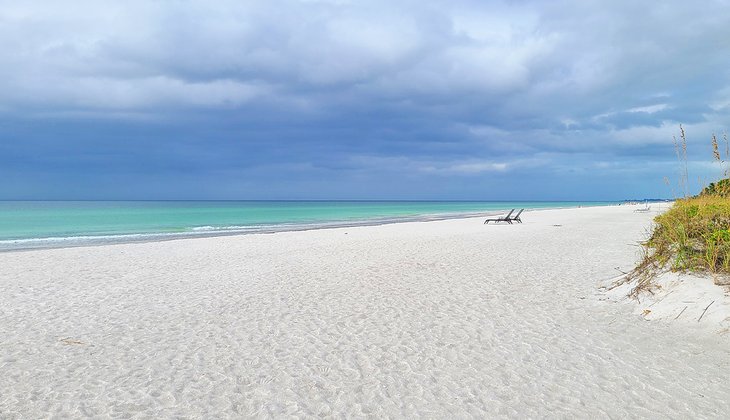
x,y
727,156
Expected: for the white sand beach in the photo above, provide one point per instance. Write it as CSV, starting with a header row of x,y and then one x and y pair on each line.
x,y
427,319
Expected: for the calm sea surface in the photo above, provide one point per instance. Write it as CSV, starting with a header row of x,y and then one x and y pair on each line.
x,y
42,224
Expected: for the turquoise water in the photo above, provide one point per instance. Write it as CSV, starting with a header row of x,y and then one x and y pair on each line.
x,y
34,224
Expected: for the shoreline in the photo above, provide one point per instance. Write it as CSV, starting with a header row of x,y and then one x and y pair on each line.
x,y
17,245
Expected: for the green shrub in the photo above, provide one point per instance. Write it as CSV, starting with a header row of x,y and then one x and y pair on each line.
x,y
720,188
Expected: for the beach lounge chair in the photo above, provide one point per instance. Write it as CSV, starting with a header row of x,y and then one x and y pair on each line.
x,y
517,218
501,218
643,209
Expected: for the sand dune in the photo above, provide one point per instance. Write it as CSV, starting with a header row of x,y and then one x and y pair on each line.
x,y
434,319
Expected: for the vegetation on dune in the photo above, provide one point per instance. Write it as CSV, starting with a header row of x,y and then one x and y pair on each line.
x,y
694,234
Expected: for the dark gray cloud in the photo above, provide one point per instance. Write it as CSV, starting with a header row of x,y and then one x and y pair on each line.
x,y
427,99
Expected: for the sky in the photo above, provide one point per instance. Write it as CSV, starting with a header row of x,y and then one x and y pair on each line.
x,y
397,99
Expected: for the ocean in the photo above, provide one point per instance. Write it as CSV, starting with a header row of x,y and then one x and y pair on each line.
x,y
50,224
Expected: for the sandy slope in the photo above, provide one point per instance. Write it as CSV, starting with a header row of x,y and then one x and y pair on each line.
x,y
432,319
679,298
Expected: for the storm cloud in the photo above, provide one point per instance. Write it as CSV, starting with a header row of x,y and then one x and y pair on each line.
x,y
358,100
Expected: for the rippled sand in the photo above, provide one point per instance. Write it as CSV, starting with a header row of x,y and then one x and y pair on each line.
x,y
434,319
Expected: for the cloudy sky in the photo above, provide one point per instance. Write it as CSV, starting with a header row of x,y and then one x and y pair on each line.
x,y
397,99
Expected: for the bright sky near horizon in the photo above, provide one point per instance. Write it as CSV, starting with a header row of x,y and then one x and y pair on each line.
x,y
397,99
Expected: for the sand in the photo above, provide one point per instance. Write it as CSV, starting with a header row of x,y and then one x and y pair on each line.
x,y
681,298
432,319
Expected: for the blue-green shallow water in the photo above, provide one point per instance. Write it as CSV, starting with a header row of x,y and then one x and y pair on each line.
x,y
41,224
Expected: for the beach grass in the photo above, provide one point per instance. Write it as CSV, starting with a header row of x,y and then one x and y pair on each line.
x,y
693,235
